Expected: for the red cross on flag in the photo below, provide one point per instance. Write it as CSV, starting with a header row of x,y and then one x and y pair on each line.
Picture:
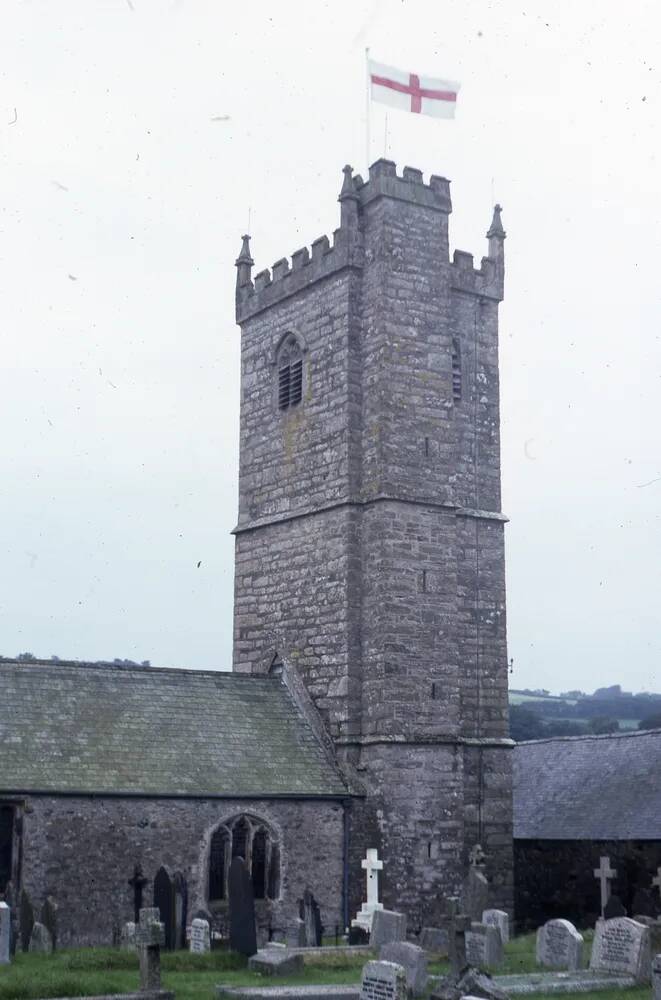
x,y
423,95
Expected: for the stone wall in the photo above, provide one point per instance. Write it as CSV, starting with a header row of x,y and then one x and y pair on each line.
x,y
82,851
554,878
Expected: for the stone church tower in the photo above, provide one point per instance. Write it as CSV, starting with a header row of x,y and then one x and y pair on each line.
x,y
369,543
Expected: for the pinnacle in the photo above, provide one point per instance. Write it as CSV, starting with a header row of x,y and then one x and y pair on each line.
x,y
348,189
496,228
244,257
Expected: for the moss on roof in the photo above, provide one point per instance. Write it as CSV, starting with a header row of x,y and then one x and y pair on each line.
x,y
149,731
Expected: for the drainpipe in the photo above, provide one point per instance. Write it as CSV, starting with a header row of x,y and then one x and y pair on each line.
x,y
346,805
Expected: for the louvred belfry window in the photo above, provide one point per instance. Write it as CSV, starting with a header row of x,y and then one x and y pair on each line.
x,y
290,374
456,370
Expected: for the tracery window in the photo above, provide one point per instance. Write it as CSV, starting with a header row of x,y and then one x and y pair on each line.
x,y
250,838
290,373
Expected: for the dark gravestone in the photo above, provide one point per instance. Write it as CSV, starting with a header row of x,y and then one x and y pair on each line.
x,y
137,883
164,900
49,918
10,899
614,908
358,935
180,909
311,917
25,920
644,903
243,935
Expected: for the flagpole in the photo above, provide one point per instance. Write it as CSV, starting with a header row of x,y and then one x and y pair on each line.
x,y
367,106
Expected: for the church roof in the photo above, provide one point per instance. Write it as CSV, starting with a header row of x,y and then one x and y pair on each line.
x,y
589,787
150,731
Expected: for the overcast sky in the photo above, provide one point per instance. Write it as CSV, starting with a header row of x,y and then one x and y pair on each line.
x,y
140,138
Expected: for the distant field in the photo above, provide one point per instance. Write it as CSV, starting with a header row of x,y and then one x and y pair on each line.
x,y
517,698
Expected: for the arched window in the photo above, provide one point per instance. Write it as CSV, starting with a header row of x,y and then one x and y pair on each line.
x,y
247,837
456,370
290,373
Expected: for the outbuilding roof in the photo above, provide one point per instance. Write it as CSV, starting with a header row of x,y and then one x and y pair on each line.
x,y
589,787
67,727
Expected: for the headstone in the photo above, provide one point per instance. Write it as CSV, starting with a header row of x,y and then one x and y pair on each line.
x,y
473,984
11,901
434,939
604,873
296,937
656,977
559,946
127,936
499,919
200,937
459,924
164,901
311,917
644,903
275,961
5,923
413,960
614,908
484,946
49,918
243,934
26,920
474,894
387,925
180,888
656,881
149,936
622,946
372,866
137,883
358,936
383,981
40,939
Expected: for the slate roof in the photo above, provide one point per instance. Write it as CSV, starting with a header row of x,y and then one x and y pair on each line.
x,y
146,730
589,787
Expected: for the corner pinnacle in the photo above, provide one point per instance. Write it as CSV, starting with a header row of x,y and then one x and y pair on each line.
x,y
496,228
348,189
244,257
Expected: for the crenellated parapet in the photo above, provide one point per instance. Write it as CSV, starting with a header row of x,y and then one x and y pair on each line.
x,y
487,282
325,258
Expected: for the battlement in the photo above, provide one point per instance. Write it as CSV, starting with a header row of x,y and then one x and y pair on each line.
x,y
287,277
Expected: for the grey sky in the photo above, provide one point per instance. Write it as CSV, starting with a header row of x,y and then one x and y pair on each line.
x,y
124,199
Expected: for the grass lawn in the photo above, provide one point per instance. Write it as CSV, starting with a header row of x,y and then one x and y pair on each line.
x,y
90,971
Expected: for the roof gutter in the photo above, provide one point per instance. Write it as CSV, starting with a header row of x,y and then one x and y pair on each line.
x,y
81,794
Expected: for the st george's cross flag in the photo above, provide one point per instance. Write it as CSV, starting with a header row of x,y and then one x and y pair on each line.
x,y
423,95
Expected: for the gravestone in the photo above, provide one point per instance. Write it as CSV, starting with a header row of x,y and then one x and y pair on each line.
x,y
484,946
459,924
644,903
499,919
243,934
372,866
559,946
49,918
127,936
180,888
474,898
622,946
5,924
164,902
656,978
434,939
614,908
358,936
413,960
12,903
137,883
296,934
383,981
604,873
26,920
275,961
387,925
40,939
149,936
311,917
200,937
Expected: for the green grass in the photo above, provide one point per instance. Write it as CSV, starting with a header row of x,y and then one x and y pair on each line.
x,y
90,971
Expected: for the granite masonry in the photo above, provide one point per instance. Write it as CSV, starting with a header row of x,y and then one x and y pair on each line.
x,y
369,542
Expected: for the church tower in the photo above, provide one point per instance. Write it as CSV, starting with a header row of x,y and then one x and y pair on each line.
x,y
369,543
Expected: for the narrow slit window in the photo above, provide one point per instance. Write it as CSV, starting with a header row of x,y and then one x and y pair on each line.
x,y
456,370
290,374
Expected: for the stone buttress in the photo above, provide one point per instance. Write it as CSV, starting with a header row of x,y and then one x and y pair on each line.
x,y
369,543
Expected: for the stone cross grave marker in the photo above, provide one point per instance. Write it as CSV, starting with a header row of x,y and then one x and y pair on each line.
x,y
372,866
604,873
559,946
200,936
656,977
243,933
499,919
383,981
484,946
137,883
5,918
149,936
622,947
459,924
475,893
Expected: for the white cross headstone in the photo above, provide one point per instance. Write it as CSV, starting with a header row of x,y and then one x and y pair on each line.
x,y
372,866
604,873
657,881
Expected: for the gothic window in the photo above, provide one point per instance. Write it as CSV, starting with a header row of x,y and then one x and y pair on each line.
x,y
290,373
249,838
6,844
456,370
